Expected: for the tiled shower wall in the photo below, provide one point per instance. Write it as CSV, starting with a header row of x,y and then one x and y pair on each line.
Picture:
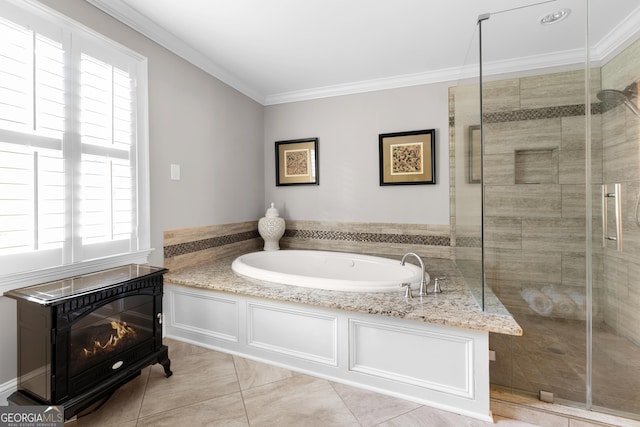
x,y
621,164
535,190
535,222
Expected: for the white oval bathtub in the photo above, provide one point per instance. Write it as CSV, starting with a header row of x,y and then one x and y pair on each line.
x,y
339,271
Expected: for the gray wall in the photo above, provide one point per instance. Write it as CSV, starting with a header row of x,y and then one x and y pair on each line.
x,y
348,129
195,121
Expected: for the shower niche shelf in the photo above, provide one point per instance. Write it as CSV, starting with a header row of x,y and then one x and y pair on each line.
x,y
539,166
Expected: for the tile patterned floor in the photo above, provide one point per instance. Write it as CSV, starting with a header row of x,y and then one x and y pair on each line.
x,y
209,388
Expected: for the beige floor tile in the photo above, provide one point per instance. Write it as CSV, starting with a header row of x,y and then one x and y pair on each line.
x,y
372,408
297,401
122,407
254,374
196,378
126,424
205,390
425,416
222,411
179,349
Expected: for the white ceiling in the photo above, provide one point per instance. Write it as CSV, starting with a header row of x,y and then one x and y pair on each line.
x,y
286,50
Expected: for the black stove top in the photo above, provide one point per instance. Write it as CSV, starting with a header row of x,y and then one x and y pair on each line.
x,y
53,292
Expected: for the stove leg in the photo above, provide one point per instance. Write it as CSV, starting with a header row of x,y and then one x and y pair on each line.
x,y
166,364
163,359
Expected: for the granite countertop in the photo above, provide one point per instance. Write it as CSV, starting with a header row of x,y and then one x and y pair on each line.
x,y
455,306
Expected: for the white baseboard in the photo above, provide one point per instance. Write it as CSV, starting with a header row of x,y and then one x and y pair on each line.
x,y
6,389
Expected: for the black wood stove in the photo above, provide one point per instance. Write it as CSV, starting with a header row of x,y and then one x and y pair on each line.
x,y
81,338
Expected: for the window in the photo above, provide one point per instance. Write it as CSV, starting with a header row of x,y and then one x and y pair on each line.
x,y
73,148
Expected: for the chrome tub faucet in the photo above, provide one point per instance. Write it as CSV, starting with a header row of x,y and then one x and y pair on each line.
x,y
423,284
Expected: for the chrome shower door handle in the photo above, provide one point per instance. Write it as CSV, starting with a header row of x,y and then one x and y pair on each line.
x,y
605,220
616,195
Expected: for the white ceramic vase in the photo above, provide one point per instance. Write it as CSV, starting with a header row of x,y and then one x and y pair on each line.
x,y
271,229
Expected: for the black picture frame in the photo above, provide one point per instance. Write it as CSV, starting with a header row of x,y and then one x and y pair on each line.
x,y
297,162
407,158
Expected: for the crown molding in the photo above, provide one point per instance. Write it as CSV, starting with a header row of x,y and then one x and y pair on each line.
x,y
437,76
134,19
616,40
555,60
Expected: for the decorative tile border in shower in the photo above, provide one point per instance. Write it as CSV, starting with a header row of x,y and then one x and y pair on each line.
x,y
468,242
541,113
538,113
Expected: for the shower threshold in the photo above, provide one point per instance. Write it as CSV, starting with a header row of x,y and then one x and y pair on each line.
x,y
519,405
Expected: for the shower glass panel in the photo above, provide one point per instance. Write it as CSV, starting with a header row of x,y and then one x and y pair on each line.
x,y
615,361
466,195
561,191
535,175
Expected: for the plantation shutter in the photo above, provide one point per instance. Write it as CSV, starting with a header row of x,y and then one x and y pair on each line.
x,y
73,147
107,182
32,124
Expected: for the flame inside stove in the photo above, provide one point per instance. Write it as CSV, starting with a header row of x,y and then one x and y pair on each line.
x,y
120,331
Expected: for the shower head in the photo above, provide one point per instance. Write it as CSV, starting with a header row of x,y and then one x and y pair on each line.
x,y
611,98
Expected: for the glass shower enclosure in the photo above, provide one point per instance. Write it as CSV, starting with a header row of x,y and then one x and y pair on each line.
x,y
546,150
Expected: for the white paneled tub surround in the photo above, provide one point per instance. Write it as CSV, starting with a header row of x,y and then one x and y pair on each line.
x,y
440,366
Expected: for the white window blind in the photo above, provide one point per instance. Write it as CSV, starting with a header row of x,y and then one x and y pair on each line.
x,y
73,147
